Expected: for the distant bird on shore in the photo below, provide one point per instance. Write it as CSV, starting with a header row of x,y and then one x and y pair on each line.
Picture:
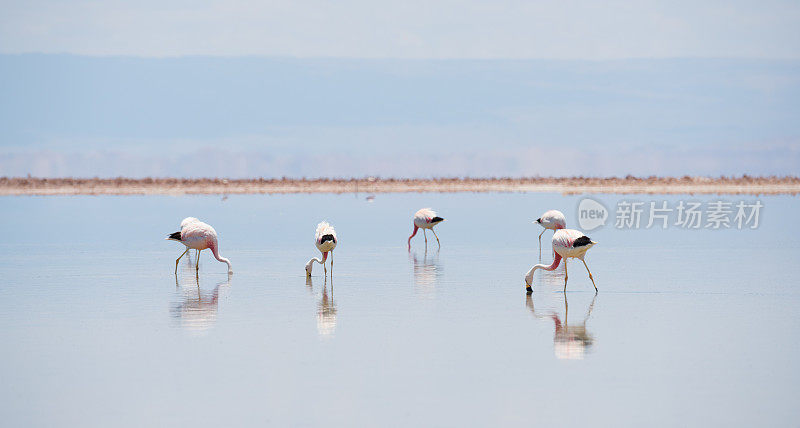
x,y
567,243
424,219
325,239
199,236
552,220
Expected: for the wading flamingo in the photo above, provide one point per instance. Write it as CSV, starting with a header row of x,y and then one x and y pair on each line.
x,y
424,219
199,236
553,220
566,243
325,239
184,222
187,221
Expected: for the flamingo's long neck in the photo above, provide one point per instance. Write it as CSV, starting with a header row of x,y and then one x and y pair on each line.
x,y
552,267
310,263
416,228
215,251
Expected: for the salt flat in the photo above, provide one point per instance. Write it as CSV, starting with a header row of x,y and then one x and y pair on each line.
x,y
689,328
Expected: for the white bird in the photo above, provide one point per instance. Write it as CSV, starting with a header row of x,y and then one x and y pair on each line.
x,y
566,243
325,239
187,221
184,223
425,219
553,220
199,236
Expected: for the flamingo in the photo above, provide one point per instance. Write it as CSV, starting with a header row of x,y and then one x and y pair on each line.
x,y
424,219
199,236
553,220
187,221
184,223
566,243
325,239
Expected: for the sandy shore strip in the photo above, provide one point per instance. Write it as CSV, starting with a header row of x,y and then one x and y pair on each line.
x,y
567,185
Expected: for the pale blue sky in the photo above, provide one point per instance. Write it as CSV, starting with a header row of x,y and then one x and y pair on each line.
x,y
570,29
399,89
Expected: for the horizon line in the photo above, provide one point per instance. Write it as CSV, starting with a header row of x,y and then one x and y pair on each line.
x,y
390,58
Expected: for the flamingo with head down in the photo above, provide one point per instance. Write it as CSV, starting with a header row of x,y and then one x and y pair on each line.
x,y
325,239
425,219
185,222
199,236
567,243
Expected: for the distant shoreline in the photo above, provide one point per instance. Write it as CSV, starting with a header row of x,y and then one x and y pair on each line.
x,y
10,186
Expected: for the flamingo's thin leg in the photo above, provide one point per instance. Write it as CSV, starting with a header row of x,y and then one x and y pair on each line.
x,y
197,266
179,259
565,275
331,266
540,244
590,274
426,237
437,238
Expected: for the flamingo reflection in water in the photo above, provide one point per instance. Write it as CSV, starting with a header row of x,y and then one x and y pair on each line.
x,y
570,342
427,271
326,309
196,310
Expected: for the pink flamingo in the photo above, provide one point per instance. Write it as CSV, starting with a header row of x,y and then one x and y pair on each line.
x,y
199,236
325,239
424,219
566,243
184,223
553,220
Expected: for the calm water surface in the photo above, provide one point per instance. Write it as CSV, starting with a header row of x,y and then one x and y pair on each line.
x,y
690,327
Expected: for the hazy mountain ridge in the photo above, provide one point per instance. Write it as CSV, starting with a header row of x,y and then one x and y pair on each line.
x,y
255,116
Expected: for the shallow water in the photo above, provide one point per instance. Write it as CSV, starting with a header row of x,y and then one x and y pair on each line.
x,y
690,327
